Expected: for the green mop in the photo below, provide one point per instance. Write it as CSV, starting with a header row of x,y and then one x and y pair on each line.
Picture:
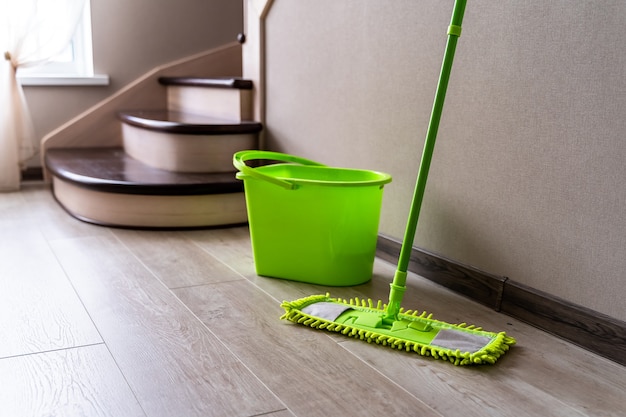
x,y
388,324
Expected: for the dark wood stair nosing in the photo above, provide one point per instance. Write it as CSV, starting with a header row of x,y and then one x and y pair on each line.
x,y
216,82
80,166
174,122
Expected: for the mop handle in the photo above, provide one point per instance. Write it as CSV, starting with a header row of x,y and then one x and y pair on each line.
x,y
398,285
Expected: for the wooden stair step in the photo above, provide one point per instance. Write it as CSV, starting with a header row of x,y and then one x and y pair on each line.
x,y
108,187
112,170
178,141
187,123
220,82
226,97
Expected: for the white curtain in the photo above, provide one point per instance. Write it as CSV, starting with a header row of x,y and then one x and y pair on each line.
x,y
31,32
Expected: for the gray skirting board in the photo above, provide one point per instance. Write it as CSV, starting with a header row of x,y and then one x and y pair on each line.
x,y
594,331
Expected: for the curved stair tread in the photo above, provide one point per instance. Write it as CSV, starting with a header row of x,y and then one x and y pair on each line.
x,y
112,170
178,122
217,82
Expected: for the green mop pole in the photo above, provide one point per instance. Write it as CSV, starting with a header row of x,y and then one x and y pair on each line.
x,y
398,286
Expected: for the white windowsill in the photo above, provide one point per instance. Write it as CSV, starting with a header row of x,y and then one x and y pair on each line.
x,y
98,79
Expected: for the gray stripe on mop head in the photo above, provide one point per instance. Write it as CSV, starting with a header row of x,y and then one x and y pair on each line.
x,y
455,339
324,310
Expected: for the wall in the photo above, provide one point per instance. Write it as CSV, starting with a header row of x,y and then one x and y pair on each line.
x,y
130,38
527,179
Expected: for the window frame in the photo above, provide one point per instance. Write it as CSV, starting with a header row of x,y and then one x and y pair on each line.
x,y
79,71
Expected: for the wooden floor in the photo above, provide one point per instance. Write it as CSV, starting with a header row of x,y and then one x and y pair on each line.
x,y
110,322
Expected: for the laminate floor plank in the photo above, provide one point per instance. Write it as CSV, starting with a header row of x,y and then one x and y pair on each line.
x,y
12,206
229,245
232,247
179,261
279,413
311,373
39,309
175,366
83,381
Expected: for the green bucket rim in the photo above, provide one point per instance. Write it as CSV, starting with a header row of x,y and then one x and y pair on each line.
x,y
291,183
377,178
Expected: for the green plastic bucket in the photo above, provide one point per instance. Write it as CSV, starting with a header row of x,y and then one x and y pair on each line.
x,y
310,222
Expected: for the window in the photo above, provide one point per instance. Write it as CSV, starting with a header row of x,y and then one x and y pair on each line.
x,y
74,66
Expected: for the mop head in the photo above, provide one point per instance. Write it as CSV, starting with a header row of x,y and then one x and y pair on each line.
x,y
460,344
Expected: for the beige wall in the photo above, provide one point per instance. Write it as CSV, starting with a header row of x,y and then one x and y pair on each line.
x,y
132,37
528,176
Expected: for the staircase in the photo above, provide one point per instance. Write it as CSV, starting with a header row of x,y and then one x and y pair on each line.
x,y
174,168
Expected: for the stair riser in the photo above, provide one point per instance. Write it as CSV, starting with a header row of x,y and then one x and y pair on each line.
x,y
128,210
185,153
223,103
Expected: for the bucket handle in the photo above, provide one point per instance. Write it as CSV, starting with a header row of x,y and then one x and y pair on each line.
x,y
240,158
